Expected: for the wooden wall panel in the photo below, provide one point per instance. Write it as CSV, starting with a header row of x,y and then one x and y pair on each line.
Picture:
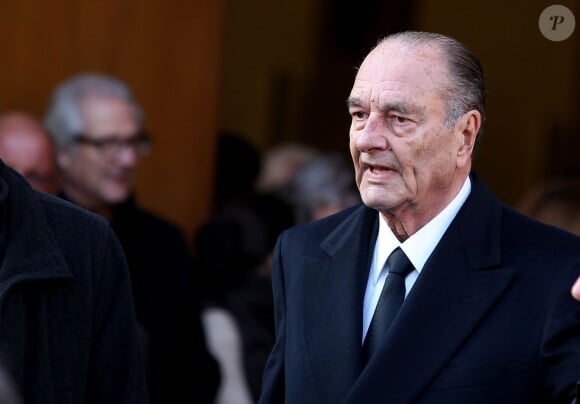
x,y
168,51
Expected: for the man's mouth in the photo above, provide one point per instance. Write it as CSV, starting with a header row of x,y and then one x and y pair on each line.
x,y
375,169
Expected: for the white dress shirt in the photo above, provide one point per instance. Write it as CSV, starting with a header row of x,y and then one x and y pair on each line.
x,y
418,247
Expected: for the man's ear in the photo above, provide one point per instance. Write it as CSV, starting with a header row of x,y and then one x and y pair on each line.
x,y
467,129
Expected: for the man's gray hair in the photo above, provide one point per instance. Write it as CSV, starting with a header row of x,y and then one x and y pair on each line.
x,y
64,119
325,180
466,83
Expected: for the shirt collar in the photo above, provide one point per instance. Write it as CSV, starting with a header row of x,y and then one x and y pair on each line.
x,y
419,246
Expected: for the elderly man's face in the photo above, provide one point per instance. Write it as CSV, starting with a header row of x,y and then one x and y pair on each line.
x,y
97,176
405,159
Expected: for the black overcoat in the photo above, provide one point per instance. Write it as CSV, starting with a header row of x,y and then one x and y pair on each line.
x,y
68,332
490,318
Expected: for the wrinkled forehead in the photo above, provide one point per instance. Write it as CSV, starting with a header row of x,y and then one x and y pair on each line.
x,y
398,67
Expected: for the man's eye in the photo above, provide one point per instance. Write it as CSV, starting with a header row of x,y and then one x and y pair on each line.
x,y
401,119
359,115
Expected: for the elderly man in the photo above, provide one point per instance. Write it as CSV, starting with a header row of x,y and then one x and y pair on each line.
x,y
26,147
433,291
98,129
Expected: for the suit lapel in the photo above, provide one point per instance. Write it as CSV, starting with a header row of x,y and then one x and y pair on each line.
x,y
459,283
334,313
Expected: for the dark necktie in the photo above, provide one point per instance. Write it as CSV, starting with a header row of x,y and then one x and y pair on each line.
x,y
390,301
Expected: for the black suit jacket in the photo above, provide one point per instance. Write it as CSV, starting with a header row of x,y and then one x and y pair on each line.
x,y
489,320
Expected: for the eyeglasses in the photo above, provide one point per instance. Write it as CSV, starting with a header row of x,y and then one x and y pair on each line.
x,y
113,146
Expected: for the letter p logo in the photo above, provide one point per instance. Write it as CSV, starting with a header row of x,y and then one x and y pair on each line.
x,y
557,23
557,20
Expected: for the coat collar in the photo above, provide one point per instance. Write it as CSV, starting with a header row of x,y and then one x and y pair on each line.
x,y
29,248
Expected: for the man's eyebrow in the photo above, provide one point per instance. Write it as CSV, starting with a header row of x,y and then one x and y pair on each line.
x,y
398,107
353,102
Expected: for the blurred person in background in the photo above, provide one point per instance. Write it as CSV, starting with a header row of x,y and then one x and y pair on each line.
x,y
279,163
555,202
320,187
237,168
99,132
26,147
232,253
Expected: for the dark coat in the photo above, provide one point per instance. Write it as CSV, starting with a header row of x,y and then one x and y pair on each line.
x,y
489,320
68,332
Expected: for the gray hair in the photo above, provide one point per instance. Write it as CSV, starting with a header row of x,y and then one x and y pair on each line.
x,y
466,84
64,119
325,180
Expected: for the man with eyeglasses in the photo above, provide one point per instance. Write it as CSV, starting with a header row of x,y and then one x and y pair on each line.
x,y
98,130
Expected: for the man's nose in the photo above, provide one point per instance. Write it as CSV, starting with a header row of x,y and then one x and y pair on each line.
x,y
128,154
372,135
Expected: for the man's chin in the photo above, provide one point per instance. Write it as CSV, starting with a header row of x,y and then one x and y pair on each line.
x,y
116,197
377,199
